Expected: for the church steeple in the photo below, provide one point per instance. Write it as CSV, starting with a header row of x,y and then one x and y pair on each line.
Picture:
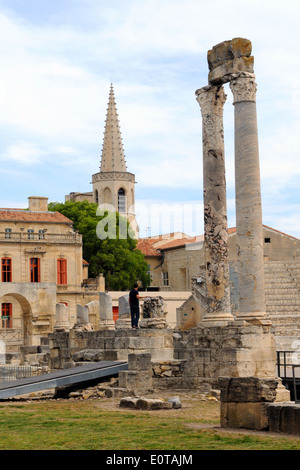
x,y
114,185
113,158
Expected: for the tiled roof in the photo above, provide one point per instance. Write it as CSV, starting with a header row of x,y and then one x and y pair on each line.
x,y
150,246
145,246
181,242
18,215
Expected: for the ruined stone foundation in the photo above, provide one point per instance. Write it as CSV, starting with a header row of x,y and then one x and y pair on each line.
x,y
228,351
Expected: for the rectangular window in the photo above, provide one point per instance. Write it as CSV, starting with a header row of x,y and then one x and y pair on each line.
x,y
165,279
61,271
35,270
8,233
41,234
6,275
6,315
30,234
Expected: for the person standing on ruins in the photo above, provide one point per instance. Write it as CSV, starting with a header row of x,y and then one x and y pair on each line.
x,y
134,306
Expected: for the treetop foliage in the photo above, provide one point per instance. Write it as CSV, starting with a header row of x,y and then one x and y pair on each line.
x,y
117,258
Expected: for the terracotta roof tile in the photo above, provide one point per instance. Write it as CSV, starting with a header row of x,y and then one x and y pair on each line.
x,y
18,215
150,246
146,248
182,242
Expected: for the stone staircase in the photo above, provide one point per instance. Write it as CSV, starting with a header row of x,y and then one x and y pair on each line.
x,y
282,293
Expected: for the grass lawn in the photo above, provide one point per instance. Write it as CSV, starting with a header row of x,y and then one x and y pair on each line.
x,y
102,425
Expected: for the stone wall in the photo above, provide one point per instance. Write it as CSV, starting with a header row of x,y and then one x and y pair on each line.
x,y
78,345
231,351
181,359
167,375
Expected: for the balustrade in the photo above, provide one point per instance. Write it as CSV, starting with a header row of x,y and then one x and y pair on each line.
x,y
11,237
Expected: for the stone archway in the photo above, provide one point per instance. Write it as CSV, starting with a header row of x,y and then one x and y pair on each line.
x,y
20,332
38,305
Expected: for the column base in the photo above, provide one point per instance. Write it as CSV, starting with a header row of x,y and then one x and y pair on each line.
x,y
257,318
123,323
106,325
218,319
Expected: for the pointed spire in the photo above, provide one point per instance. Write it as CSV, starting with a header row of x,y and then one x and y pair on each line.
x,y
113,158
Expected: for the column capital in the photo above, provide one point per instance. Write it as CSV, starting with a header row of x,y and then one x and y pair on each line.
x,y
243,87
211,99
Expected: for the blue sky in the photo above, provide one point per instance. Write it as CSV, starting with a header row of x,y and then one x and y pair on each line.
x,y
58,59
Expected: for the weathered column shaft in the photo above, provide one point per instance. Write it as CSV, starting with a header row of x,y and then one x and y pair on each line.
x,y
249,236
211,100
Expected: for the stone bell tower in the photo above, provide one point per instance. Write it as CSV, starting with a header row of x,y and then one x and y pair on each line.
x,y
114,185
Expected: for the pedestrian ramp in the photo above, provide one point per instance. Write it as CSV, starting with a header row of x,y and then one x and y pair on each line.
x,y
62,378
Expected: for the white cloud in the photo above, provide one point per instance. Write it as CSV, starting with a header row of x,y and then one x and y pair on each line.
x,y
55,78
26,153
156,218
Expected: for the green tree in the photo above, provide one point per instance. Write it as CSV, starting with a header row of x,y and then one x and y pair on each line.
x,y
105,247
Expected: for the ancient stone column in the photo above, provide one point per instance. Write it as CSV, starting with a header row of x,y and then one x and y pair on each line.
x,y
211,100
105,312
249,236
124,320
62,318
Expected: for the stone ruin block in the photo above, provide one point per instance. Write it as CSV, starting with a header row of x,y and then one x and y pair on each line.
x,y
62,318
154,315
138,377
228,58
105,311
82,314
244,401
153,307
124,320
247,389
284,417
93,313
139,362
124,307
142,403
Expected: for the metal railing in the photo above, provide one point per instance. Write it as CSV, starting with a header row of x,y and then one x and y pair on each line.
x,y
10,373
296,380
287,369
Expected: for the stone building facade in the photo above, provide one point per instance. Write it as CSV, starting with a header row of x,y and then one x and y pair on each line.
x,y
41,266
176,259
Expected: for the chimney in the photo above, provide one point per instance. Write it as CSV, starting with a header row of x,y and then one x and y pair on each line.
x,y
37,203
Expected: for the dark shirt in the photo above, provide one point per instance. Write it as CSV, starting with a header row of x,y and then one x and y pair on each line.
x,y
134,301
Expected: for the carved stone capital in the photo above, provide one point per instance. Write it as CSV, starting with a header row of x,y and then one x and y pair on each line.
x,y
211,100
113,175
243,87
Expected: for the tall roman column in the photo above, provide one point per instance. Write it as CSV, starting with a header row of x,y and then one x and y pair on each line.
x,y
249,236
211,100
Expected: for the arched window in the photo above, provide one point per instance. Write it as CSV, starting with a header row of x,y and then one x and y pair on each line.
x,y
107,196
96,197
121,200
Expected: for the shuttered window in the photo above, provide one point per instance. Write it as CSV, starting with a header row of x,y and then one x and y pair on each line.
x,y
6,274
61,271
35,268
